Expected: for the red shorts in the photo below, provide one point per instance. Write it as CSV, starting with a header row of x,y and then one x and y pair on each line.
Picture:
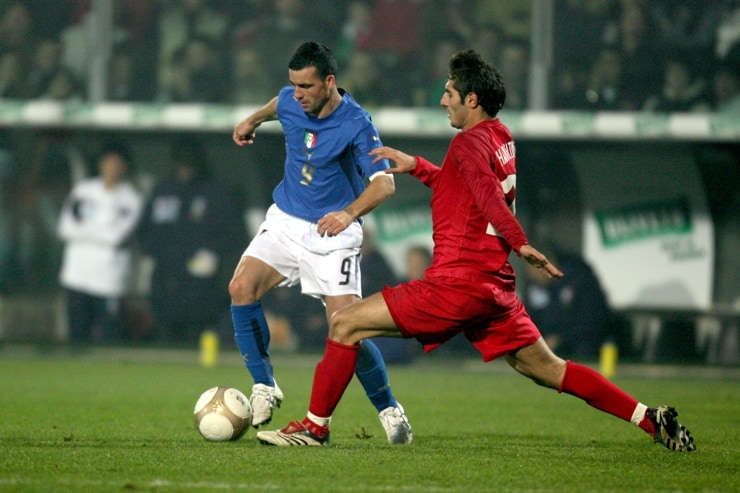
x,y
432,311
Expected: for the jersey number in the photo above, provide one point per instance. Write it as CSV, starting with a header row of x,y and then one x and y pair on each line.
x,y
307,173
346,270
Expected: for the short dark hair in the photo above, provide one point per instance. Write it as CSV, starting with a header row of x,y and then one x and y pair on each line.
x,y
116,147
469,72
312,54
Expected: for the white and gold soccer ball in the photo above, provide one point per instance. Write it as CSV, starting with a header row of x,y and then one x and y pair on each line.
x,y
222,414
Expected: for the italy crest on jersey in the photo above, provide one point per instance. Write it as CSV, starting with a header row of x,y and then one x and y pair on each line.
x,y
309,138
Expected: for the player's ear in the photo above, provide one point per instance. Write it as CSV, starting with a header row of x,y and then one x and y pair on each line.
x,y
471,100
331,81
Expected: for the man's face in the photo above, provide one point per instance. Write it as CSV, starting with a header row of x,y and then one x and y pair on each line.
x,y
112,168
309,90
457,111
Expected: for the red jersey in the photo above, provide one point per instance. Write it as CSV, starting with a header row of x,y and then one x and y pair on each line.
x,y
474,228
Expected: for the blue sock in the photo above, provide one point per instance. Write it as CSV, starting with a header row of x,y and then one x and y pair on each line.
x,y
373,375
253,340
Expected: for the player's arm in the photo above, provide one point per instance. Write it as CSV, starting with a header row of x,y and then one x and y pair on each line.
x,y
381,187
416,166
69,224
489,197
244,130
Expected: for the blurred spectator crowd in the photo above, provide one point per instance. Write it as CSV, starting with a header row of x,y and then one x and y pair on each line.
x,y
607,55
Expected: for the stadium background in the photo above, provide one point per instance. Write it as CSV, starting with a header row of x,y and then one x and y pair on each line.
x,y
600,131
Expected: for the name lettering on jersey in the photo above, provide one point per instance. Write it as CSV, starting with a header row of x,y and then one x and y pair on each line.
x,y
506,153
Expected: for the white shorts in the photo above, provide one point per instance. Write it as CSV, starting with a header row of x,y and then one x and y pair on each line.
x,y
323,265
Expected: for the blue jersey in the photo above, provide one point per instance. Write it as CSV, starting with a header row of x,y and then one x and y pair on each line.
x,y
326,158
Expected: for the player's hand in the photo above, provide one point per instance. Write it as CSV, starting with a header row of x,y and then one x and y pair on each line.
x,y
334,223
244,133
404,162
534,258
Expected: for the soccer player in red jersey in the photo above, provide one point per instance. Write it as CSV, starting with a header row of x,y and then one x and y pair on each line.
x,y
469,286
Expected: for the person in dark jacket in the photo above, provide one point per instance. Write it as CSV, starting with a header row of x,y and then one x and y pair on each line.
x,y
193,230
572,313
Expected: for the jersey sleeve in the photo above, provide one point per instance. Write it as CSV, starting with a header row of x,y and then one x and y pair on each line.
x,y
488,194
366,140
426,171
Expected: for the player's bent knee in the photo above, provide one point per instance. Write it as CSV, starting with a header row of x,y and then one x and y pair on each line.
x,y
341,328
550,375
235,288
240,292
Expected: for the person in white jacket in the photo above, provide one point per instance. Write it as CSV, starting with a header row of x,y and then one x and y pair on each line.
x,y
95,224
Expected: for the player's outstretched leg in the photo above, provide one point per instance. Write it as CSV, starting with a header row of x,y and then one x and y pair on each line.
x,y
660,422
252,337
372,373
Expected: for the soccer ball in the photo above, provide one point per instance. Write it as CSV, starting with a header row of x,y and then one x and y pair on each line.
x,y
222,414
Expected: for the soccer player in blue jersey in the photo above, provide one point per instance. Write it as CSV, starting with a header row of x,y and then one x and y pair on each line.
x,y
312,234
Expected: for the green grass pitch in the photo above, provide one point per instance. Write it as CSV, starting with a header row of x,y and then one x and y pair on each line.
x,y
121,420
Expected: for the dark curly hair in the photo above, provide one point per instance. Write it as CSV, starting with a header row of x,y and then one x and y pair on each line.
x,y
469,72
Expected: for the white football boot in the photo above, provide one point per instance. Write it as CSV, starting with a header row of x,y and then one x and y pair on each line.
x,y
295,434
396,425
264,400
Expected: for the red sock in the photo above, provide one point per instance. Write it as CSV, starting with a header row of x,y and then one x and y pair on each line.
x,y
587,384
333,374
